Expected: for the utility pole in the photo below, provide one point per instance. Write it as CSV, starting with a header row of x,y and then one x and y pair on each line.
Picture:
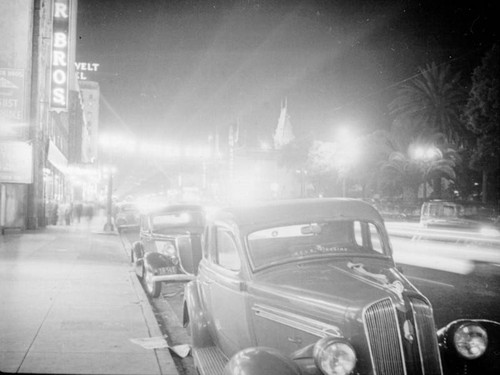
x,y
109,227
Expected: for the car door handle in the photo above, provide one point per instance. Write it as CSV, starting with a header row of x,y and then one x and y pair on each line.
x,y
295,340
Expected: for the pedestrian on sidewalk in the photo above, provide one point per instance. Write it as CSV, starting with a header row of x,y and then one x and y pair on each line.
x,y
89,211
53,212
61,210
68,212
78,211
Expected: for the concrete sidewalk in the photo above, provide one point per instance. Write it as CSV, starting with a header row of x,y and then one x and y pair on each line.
x,y
70,304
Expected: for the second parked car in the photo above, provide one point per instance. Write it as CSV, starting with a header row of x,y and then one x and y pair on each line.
x,y
169,246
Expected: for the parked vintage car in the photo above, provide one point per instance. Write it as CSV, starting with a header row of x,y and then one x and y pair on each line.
x,y
126,215
169,246
310,287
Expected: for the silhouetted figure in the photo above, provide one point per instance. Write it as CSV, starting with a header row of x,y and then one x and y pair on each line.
x,y
68,211
54,214
78,211
89,211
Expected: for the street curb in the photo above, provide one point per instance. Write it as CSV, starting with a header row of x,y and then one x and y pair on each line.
x,y
165,361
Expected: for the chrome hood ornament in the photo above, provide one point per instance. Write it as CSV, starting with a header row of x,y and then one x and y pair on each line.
x,y
395,287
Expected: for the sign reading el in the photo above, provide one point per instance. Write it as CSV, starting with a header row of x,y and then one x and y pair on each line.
x,y
60,59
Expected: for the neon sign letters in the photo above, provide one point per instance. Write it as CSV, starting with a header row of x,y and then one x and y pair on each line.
x,y
83,67
60,59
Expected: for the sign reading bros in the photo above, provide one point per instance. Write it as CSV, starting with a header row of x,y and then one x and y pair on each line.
x,y
60,49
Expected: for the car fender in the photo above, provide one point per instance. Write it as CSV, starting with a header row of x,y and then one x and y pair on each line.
x,y
137,251
137,258
154,260
261,360
194,316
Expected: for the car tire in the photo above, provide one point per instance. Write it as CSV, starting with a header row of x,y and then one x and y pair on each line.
x,y
153,288
133,259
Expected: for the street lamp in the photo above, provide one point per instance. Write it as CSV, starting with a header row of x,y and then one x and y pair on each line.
x,y
110,143
109,171
347,154
425,155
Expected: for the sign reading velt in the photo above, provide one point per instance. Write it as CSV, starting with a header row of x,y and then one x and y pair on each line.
x,y
60,56
16,162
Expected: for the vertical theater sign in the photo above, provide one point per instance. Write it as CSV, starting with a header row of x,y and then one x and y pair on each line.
x,y
60,56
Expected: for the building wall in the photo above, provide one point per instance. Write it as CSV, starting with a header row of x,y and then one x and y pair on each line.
x,y
15,73
26,36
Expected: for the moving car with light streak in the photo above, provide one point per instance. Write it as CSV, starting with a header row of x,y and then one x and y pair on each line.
x,y
126,215
310,287
169,246
465,215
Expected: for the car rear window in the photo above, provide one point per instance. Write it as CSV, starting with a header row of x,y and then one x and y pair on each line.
x,y
286,243
173,220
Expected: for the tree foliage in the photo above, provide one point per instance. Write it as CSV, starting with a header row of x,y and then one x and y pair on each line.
x,y
431,103
295,154
482,112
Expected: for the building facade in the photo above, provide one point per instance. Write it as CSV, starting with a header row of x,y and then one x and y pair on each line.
x,y
41,111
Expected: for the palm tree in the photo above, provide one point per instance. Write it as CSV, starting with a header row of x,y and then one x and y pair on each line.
x,y
404,173
431,103
409,172
294,156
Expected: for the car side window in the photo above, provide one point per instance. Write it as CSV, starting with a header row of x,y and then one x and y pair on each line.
x,y
358,234
366,235
376,241
227,251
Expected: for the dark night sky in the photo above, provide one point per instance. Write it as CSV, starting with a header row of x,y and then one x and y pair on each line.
x,y
177,69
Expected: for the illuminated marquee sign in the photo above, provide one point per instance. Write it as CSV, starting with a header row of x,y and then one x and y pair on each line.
x,y
83,67
60,56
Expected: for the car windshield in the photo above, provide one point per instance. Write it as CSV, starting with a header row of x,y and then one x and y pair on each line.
x,y
128,208
281,244
176,220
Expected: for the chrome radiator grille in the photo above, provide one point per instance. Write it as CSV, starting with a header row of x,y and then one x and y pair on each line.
x,y
391,355
384,338
427,342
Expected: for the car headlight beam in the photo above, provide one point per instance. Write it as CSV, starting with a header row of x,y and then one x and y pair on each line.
x,y
166,248
470,340
334,356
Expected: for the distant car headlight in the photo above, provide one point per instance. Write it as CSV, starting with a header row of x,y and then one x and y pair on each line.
x,y
334,356
470,340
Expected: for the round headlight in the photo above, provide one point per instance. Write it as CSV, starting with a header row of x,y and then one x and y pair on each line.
x,y
471,340
334,356
168,250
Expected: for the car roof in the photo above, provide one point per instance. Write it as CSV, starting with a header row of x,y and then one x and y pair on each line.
x,y
282,211
463,203
172,208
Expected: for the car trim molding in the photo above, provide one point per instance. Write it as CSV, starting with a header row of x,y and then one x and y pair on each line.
x,y
312,326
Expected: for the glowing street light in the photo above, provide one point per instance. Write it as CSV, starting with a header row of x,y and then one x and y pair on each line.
x,y
347,153
425,155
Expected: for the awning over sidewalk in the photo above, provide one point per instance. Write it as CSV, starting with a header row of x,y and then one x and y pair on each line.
x,y
56,158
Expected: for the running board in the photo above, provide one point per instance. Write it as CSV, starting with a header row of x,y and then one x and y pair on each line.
x,y
209,360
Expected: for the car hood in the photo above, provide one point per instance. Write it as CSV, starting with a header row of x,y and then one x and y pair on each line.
x,y
337,289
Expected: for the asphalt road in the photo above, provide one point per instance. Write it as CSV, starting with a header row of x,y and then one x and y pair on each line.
x,y
460,280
